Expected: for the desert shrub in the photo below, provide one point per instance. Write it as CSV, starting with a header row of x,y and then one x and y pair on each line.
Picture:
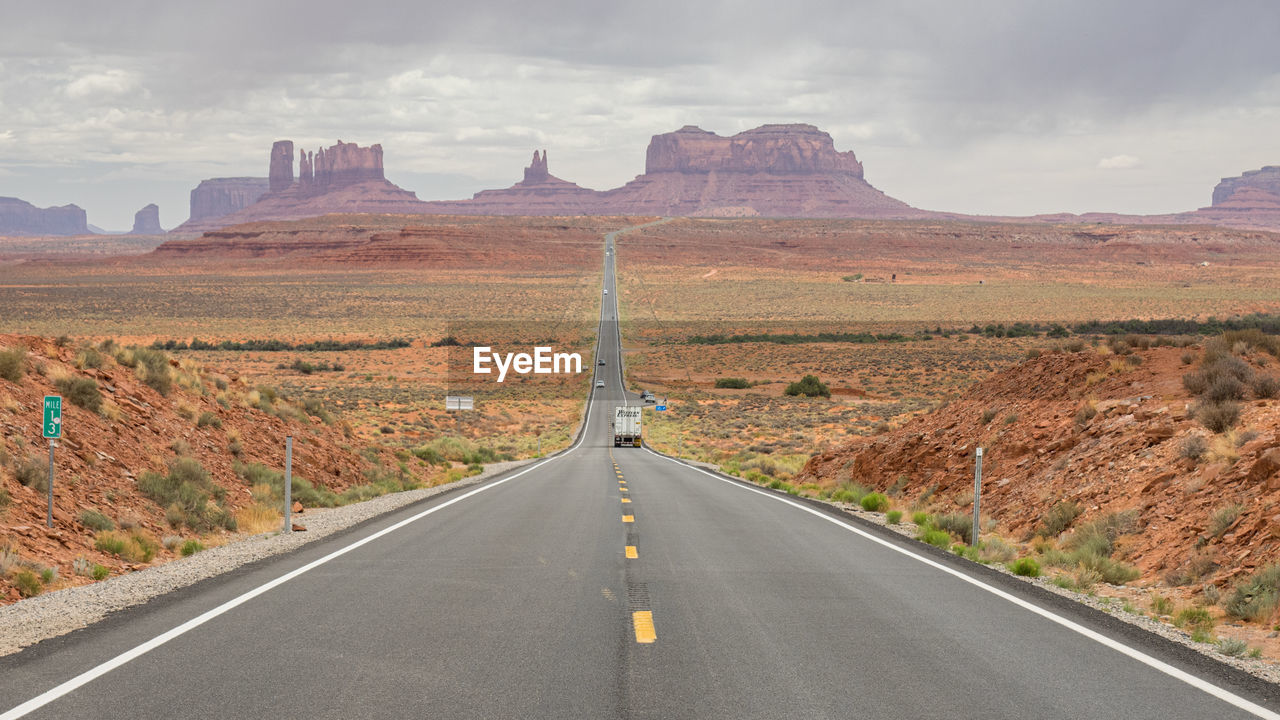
x,y
1266,387
13,363
996,550
734,383
208,419
920,518
1108,570
851,493
1099,536
1232,647
34,473
988,415
1193,448
893,517
1161,605
82,392
874,502
136,546
1025,566
188,486
95,520
1059,518
934,536
429,455
1217,417
316,407
1199,563
1085,413
153,368
100,572
171,542
1194,618
957,524
5,498
28,583
191,547
1223,388
1257,596
1223,517
1188,357
808,386
89,358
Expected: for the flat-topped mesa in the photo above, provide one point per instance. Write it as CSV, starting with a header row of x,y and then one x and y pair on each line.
x,y
281,174
537,170
19,217
345,164
216,197
1249,186
774,149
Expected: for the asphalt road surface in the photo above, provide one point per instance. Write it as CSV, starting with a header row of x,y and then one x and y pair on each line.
x,y
615,583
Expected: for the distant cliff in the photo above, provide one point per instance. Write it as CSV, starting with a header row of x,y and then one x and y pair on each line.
x,y
147,221
218,197
19,217
1250,188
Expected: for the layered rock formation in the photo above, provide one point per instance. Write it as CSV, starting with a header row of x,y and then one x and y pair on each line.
x,y
1250,188
342,178
147,221
540,193
19,217
775,149
218,197
772,170
280,175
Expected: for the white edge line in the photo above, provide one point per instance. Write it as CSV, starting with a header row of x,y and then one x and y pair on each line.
x,y
1196,682
94,673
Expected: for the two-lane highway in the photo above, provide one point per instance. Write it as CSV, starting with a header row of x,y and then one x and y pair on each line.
x,y
614,583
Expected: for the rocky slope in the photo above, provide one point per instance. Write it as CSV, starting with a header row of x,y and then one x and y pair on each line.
x,y
1108,433
208,415
18,217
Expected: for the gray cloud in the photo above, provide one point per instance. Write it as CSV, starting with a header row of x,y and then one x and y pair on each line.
x,y
1002,107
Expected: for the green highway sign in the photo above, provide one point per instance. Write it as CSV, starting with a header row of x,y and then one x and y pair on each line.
x,y
52,416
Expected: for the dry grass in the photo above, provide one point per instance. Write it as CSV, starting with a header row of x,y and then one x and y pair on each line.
x,y
258,518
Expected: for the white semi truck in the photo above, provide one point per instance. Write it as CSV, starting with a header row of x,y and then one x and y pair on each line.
x,y
626,426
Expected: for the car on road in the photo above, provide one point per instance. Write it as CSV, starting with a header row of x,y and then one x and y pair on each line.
x,y
600,362
599,383
606,292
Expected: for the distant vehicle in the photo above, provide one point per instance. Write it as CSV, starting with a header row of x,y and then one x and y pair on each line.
x,y
647,396
626,426
606,292
599,383
600,362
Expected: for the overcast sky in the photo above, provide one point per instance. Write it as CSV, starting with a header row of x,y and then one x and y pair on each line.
x,y
1014,107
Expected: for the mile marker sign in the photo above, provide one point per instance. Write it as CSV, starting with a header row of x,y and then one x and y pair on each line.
x,y
52,416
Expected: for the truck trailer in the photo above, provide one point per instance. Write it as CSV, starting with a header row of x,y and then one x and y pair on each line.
x,y
626,426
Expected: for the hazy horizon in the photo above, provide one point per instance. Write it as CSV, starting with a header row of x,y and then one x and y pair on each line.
x,y
996,108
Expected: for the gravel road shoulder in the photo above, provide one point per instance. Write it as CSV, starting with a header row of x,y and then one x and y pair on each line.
x,y
57,613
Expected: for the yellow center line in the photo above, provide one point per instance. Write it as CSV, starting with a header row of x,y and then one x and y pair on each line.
x,y
626,500
643,622
628,518
631,552
622,489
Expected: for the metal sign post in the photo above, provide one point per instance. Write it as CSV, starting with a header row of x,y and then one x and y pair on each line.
x,y
288,483
977,494
52,429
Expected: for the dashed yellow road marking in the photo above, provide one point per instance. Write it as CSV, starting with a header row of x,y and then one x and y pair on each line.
x,y
623,488
643,622
631,552
628,518
626,500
